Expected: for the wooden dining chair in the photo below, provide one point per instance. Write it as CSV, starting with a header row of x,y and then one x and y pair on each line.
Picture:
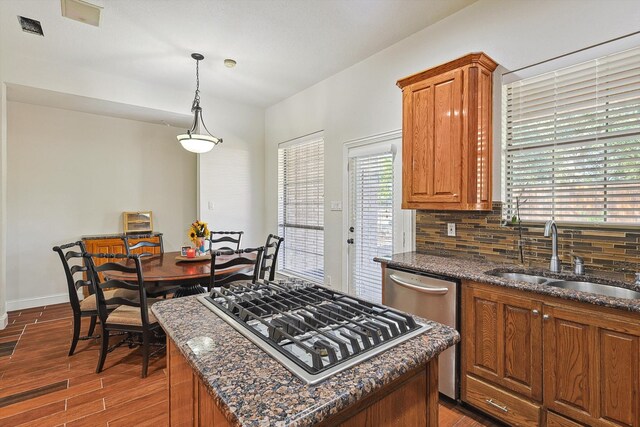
x,y
150,241
225,270
132,315
230,240
157,290
74,270
270,256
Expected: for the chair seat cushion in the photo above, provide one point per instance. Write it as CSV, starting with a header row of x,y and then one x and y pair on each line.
x,y
89,303
128,315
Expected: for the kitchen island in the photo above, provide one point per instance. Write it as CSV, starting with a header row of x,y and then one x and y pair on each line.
x,y
219,377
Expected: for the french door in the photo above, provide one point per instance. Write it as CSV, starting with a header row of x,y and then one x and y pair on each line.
x,y
376,226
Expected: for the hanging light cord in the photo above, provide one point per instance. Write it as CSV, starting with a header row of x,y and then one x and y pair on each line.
x,y
196,99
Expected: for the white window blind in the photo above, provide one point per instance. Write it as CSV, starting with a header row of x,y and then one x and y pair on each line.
x,y
573,143
301,208
372,219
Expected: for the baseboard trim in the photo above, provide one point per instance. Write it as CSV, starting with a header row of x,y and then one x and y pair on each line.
x,y
21,304
4,321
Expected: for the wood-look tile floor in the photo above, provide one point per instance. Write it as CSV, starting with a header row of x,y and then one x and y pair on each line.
x,y
41,386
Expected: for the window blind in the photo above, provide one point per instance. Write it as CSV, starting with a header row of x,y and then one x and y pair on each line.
x,y
372,219
573,143
301,208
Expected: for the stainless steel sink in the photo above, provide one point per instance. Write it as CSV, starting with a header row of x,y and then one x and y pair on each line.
x,y
536,280
596,288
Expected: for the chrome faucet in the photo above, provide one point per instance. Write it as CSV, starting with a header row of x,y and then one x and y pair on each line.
x,y
550,228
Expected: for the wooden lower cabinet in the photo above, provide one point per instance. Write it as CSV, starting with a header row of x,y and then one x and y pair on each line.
x,y
503,336
583,359
591,367
411,400
502,404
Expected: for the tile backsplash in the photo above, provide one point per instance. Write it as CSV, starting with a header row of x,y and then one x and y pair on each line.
x,y
480,235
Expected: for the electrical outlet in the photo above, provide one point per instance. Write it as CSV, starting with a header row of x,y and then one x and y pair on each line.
x,y
210,206
451,229
327,280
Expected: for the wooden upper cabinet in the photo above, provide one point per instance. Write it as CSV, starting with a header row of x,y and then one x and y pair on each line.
x,y
446,134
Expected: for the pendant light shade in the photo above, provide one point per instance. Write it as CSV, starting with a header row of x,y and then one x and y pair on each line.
x,y
198,139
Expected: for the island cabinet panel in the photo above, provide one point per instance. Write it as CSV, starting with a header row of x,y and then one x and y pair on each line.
x,y
503,340
446,135
580,361
410,400
190,404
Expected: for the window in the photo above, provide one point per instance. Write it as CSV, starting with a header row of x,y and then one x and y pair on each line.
x,y
572,143
301,207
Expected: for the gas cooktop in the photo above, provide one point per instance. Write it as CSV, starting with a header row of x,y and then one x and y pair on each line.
x,y
313,331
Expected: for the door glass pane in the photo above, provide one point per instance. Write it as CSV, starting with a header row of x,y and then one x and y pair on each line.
x,y
371,200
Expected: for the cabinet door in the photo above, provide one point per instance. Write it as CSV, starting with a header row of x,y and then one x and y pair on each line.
x,y
591,367
432,140
502,340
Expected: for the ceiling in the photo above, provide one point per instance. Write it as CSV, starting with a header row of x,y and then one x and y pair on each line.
x,y
281,46
49,98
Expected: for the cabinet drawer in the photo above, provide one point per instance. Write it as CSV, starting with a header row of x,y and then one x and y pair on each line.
x,y
554,420
501,404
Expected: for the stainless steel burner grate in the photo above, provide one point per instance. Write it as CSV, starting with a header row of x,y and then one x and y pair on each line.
x,y
313,331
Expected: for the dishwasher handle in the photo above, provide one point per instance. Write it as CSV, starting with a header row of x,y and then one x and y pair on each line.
x,y
432,290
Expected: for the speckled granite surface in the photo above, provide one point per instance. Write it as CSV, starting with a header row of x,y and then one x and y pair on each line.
x,y
463,268
253,389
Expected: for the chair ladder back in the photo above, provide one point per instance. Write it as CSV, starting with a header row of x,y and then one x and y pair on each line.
x,y
130,248
71,270
234,237
236,274
270,256
103,302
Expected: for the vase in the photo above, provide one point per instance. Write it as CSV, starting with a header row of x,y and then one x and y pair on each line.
x,y
201,245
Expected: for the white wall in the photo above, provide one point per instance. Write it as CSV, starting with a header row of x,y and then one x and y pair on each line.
x,y
231,176
3,202
363,100
73,173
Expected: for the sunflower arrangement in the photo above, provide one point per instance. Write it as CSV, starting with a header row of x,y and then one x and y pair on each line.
x,y
198,231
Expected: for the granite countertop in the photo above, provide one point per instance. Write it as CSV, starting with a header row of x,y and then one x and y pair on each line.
x,y
469,269
118,235
253,389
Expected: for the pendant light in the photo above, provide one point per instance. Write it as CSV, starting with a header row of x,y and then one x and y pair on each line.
x,y
198,139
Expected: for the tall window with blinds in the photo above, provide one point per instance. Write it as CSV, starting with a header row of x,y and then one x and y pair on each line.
x,y
573,143
301,208
371,210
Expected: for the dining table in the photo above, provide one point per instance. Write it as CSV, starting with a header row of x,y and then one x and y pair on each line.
x,y
170,268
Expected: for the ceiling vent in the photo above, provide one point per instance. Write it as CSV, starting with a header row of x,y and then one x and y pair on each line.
x,y
30,26
81,11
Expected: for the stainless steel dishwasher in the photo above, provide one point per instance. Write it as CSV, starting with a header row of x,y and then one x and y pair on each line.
x,y
433,298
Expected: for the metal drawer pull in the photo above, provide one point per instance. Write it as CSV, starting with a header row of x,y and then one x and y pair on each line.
x,y
420,288
494,404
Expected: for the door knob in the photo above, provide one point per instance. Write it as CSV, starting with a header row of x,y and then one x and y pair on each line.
x,y
535,312
350,241
351,229
545,317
